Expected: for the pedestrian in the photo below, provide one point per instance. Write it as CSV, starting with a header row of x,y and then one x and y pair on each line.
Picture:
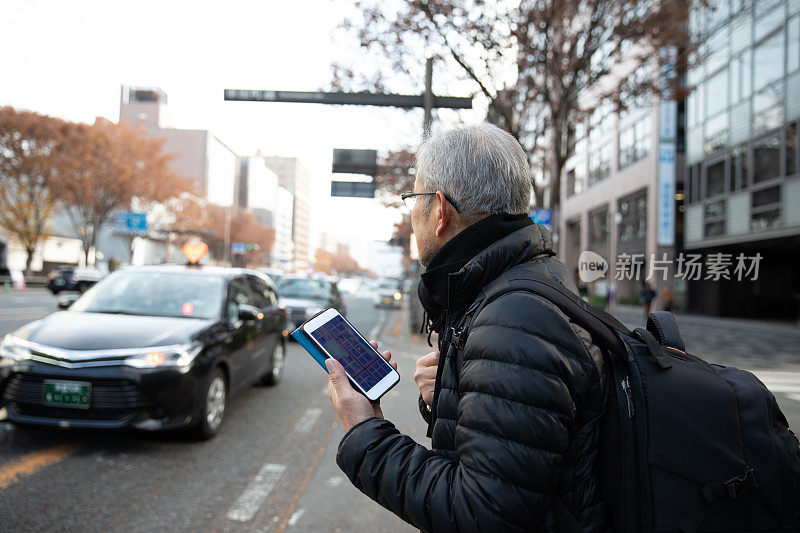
x,y
646,297
667,299
513,411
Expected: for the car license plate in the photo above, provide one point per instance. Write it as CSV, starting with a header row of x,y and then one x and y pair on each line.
x,y
67,393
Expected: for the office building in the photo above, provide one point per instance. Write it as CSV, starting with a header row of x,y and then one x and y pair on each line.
x,y
294,177
743,184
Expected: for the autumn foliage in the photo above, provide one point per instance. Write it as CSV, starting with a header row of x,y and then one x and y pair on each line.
x,y
31,161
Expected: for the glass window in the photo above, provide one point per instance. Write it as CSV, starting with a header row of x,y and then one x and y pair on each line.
x,y
794,6
791,149
634,141
691,109
735,81
768,108
717,50
738,173
768,61
766,197
716,133
718,12
745,73
766,24
239,294
762,6
715,179
715,218
598,228
793,44
717,93
633,217
766,159
741,37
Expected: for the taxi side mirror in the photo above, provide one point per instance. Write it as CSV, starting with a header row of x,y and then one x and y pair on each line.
x,y
248,312
64,302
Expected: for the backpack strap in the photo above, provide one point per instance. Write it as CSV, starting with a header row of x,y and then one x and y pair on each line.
x,y
662,324
737,486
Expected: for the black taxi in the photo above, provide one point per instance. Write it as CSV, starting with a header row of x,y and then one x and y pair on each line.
x,y
150,348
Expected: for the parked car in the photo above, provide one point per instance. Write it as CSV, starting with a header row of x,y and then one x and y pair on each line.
x,y
388,293
73,279
148,348
305,297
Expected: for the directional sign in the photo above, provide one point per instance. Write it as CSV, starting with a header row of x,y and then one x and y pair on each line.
x,y
131,223
353,189
388,100
355,161
238,248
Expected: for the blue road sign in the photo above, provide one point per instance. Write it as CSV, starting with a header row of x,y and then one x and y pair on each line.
x,y
238,248
131,223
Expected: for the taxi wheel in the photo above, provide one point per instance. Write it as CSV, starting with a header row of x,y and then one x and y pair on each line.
x,y
214,403
274,375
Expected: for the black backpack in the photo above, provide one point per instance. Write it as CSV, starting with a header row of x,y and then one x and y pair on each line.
x,y
684,445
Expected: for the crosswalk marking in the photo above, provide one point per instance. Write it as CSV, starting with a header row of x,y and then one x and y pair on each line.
x,y
256,493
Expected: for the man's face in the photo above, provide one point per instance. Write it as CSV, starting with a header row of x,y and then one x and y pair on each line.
x,y
424,226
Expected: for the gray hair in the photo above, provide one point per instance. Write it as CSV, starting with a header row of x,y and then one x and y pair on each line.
x,y
481,167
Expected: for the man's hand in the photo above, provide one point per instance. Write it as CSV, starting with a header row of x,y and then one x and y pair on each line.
x,y
351,406
425,375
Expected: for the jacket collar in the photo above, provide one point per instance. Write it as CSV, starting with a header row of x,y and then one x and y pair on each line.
x,y
498,243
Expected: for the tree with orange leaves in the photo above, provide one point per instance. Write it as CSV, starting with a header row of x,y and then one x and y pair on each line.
x,y
245,228
108,165
31,146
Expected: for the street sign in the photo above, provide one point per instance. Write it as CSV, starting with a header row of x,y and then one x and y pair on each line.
x,y
238,248
355,161
354,189
541,216
131,223
376,99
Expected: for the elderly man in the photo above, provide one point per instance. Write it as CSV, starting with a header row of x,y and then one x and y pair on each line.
x,y
514,406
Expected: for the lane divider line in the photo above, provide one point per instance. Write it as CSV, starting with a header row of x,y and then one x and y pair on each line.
x,y
373,333
256,493
290,509
34,462
296,516
308,419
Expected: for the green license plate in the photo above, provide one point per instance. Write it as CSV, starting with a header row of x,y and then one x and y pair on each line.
x,y
67,393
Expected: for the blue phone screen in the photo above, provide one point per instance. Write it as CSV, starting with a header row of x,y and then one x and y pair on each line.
x,y
357,357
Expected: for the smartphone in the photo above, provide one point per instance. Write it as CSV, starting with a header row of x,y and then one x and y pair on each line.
x,y
336,337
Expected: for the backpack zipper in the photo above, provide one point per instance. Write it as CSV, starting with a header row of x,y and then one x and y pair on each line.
x,y
626,387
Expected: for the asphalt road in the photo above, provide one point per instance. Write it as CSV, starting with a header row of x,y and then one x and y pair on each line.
x,y
273,466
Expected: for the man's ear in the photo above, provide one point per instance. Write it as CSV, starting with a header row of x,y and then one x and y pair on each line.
x,y
444,214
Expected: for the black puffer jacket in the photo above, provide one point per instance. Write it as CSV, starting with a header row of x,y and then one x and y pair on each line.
x,y
516,413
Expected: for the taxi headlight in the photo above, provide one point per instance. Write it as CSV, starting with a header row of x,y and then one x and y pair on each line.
x,y
12,350
171,357
397,296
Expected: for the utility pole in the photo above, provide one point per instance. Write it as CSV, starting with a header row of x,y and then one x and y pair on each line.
x,y
427,99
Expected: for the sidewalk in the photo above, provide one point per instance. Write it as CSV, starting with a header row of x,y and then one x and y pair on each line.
x,y
731,341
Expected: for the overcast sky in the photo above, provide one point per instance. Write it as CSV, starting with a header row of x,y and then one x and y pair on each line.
x,y
68,59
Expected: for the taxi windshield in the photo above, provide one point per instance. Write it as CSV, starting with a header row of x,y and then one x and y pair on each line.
x,y
304,288
155,294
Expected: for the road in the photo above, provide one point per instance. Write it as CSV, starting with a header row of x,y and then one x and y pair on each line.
x,y
273,466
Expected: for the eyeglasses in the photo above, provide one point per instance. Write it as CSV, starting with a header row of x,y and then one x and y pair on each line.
x,y
410,198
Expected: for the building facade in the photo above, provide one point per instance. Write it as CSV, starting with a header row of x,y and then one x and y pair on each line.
x,y
610,198
295,178
743,181
259,191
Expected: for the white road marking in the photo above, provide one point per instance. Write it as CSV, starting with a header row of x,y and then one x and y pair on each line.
x,y
3,414
335,481
295,517
24,310
308,419
256,493
373,333
785,382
